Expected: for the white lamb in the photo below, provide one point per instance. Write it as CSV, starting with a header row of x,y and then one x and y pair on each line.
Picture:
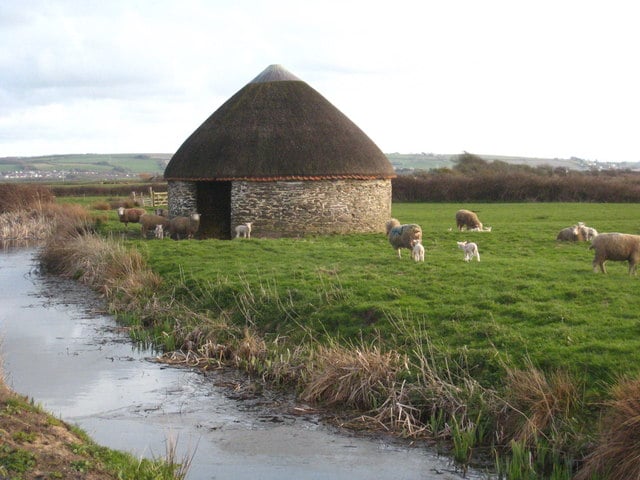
x,y
470,250
243,230
417,252
159,231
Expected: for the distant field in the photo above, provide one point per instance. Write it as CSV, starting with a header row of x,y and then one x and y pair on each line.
x,y
429,161
151,163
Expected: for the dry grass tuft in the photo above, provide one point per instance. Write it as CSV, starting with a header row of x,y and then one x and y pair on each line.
x,y
42,220
359,378
617,453
15,196
251,348
106,265
538,405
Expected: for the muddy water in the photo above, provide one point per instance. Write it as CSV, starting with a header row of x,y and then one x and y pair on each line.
x,y
59,349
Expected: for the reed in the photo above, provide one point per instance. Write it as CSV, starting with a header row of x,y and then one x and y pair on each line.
x,y
616,455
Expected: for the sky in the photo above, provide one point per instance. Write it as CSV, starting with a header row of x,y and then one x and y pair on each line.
x,y
540,78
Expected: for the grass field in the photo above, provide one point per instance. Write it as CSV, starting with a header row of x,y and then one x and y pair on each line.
x,y
530,297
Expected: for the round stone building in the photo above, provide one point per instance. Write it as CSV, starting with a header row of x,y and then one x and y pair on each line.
x,y
279,155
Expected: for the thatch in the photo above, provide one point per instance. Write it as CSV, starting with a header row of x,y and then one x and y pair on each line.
x,y
278,128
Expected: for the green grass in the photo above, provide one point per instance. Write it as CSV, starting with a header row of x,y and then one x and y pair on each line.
x,y
529,297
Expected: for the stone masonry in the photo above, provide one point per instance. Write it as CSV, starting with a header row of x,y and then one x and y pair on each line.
x,y
295,208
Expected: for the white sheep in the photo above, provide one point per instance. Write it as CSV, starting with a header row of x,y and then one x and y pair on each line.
x,y
184,227
587,233
159,231
402,236
617,247
130,215
149,222
243,230
417,252
478,229
468,219
470,250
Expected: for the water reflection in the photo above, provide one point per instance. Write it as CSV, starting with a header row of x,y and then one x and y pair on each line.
x,y
59,349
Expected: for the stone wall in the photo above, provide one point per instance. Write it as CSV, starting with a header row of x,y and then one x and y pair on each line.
x,y
182,198
293,209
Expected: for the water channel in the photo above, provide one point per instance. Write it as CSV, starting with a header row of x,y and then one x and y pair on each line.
x,y
58,348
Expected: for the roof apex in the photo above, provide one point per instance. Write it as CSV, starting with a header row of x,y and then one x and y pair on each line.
x,y
275,73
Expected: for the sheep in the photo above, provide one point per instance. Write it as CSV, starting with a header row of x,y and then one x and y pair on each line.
x,y
243,230
470,250
478,229
570,234
130,215
590,233
162,212
180,227
468,219
587,233
402,236
149,221
617,247
417,252
159,231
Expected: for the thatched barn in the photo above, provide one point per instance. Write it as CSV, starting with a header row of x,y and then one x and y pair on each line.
x,y
279,155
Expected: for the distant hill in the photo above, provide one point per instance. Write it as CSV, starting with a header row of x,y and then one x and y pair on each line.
x,y
139,165
84,166
407,162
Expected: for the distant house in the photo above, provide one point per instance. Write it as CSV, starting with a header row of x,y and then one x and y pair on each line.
x,y
279,155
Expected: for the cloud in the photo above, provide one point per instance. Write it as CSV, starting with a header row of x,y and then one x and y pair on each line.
x,y
521,78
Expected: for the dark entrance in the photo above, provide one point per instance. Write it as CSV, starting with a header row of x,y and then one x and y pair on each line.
x,y
214,206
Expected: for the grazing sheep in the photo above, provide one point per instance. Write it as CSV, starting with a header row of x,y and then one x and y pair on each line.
x,y
243,230
184,227
617,247
468,219
470,250
159,231
417,252
149,221
570,234
130,215
587,233
402,236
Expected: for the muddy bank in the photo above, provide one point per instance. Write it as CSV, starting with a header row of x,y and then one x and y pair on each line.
x,y
59,348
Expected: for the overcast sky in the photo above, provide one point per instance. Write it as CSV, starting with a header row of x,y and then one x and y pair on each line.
x,y
548,78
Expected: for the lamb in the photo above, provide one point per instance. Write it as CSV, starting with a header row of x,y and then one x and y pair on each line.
x,y
468,219
587,233
159,231
149,221
130,215
617,247
402,236
181,227
417,253
570,234
243,230
470,250
478,229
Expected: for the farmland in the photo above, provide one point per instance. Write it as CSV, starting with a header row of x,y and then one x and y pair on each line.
x,y
529,297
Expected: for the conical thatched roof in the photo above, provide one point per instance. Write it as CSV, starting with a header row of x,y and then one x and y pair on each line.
x,y
278,128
